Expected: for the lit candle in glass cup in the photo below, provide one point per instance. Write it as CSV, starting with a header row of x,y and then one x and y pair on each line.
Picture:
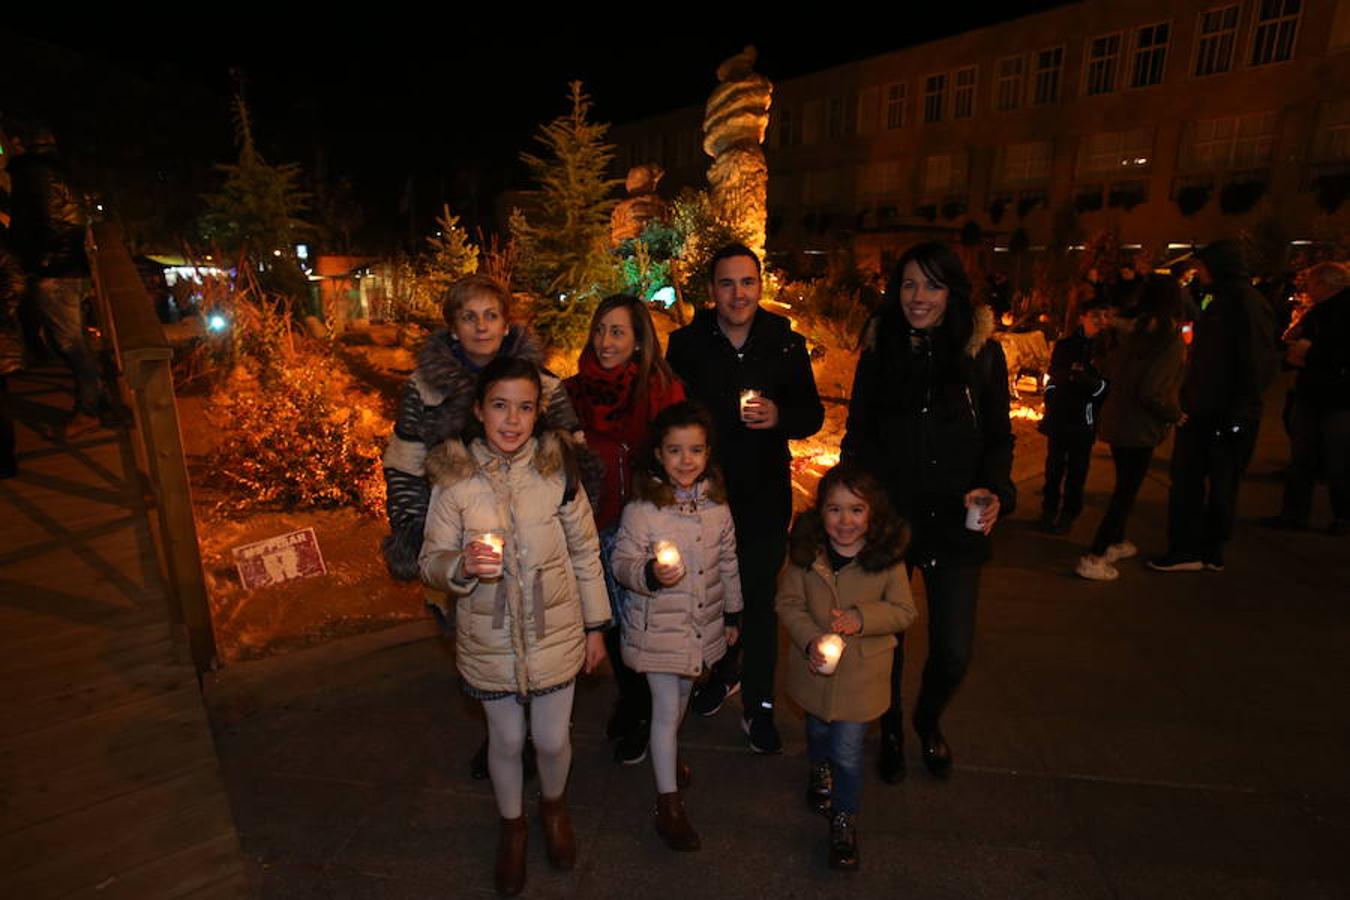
x,y
831,647
748,394
494,540
667,554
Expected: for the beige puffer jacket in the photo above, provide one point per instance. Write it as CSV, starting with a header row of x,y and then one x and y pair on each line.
x,y
860,688
677,629
523,632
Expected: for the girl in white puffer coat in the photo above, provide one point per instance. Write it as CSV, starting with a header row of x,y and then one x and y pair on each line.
x,y
676,553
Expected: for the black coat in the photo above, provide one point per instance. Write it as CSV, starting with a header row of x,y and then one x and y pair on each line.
x,y
756,463
932,433
1233,356
1325,379
1076,391
47,225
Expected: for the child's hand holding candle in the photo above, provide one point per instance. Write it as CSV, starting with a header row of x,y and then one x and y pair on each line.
x,y
825,653
669,568
483,554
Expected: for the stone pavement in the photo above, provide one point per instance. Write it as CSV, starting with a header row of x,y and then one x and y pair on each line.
x,y
1167,736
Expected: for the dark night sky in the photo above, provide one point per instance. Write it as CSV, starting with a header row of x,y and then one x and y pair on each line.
x,y
381,98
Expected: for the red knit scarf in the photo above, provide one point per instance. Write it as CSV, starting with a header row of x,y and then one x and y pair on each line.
x,y
603,400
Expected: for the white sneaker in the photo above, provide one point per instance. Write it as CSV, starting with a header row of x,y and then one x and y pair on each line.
x,y
1123,550
1096,568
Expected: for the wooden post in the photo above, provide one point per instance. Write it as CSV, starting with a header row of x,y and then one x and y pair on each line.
x,y
144,360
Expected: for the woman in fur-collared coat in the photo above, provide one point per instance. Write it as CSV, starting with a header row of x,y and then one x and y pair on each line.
x,y
437,404
929,417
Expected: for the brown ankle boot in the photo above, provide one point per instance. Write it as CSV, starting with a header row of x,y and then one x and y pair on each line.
x,y
511,857
673,825
558,835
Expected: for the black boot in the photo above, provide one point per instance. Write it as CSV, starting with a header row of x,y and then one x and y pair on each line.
x,y
843,842
937,756
891,762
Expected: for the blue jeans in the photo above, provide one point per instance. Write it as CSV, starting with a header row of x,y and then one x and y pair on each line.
x,y
842,744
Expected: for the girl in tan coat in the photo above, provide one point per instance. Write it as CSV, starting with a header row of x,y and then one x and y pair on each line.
x,y
842,597
676,553
510,538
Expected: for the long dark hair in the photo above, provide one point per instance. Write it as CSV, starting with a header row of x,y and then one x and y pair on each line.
x,y
1160,304
651,362
939,262
887,533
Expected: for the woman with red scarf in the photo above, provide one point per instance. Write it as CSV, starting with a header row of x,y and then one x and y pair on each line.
x,y
622,382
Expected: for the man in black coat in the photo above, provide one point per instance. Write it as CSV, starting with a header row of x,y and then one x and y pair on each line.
x,y
1233,359
730,349
1073,398
1320,426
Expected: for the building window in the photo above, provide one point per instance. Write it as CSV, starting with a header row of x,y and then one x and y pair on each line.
x,y
1333,132
1116,152
1150,54
1049,68
1218,34
787,127
934,96
896,96
1233,142
1027,163
1103,62
834,118
1010,73
963,92
943,173
1276,25
880,179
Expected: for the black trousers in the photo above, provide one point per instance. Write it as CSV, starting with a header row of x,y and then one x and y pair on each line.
x,y
635,698
1067,457
1208,462
1131,467
1320,442
755,656
952,592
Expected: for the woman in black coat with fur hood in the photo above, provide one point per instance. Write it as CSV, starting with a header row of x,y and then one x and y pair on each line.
x,y
929,417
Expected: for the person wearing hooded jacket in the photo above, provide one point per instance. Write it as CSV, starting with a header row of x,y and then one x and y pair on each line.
x,y
1233,359
929,417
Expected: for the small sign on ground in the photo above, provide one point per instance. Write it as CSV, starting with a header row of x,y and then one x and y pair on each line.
x,y
279,559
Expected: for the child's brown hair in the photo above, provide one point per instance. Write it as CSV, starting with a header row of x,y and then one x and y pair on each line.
x,y
887,534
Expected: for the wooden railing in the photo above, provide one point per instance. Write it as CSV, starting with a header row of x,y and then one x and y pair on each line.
x,y
143,359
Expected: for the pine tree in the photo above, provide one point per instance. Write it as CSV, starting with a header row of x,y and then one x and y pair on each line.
x,y
258,213
452,254
564,242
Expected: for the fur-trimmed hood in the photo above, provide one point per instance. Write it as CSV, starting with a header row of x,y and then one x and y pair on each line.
x,y
806,543
452,462
982,329
440,372
661,494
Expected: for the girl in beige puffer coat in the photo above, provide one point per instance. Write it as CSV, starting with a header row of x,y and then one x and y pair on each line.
x,y
511,539
676,553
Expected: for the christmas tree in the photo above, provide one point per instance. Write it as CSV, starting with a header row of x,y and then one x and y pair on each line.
x,y
563,241
452,254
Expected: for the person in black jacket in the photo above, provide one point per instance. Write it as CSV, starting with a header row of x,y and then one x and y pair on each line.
x,y
1073,398
1320,421
723,353
47,233
929,416
1233,360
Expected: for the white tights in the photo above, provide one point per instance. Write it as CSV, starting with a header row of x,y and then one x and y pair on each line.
x,y
550,721
670,695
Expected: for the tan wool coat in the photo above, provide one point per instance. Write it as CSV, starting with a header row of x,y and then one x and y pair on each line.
x,y
523,632
677,629
859,690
